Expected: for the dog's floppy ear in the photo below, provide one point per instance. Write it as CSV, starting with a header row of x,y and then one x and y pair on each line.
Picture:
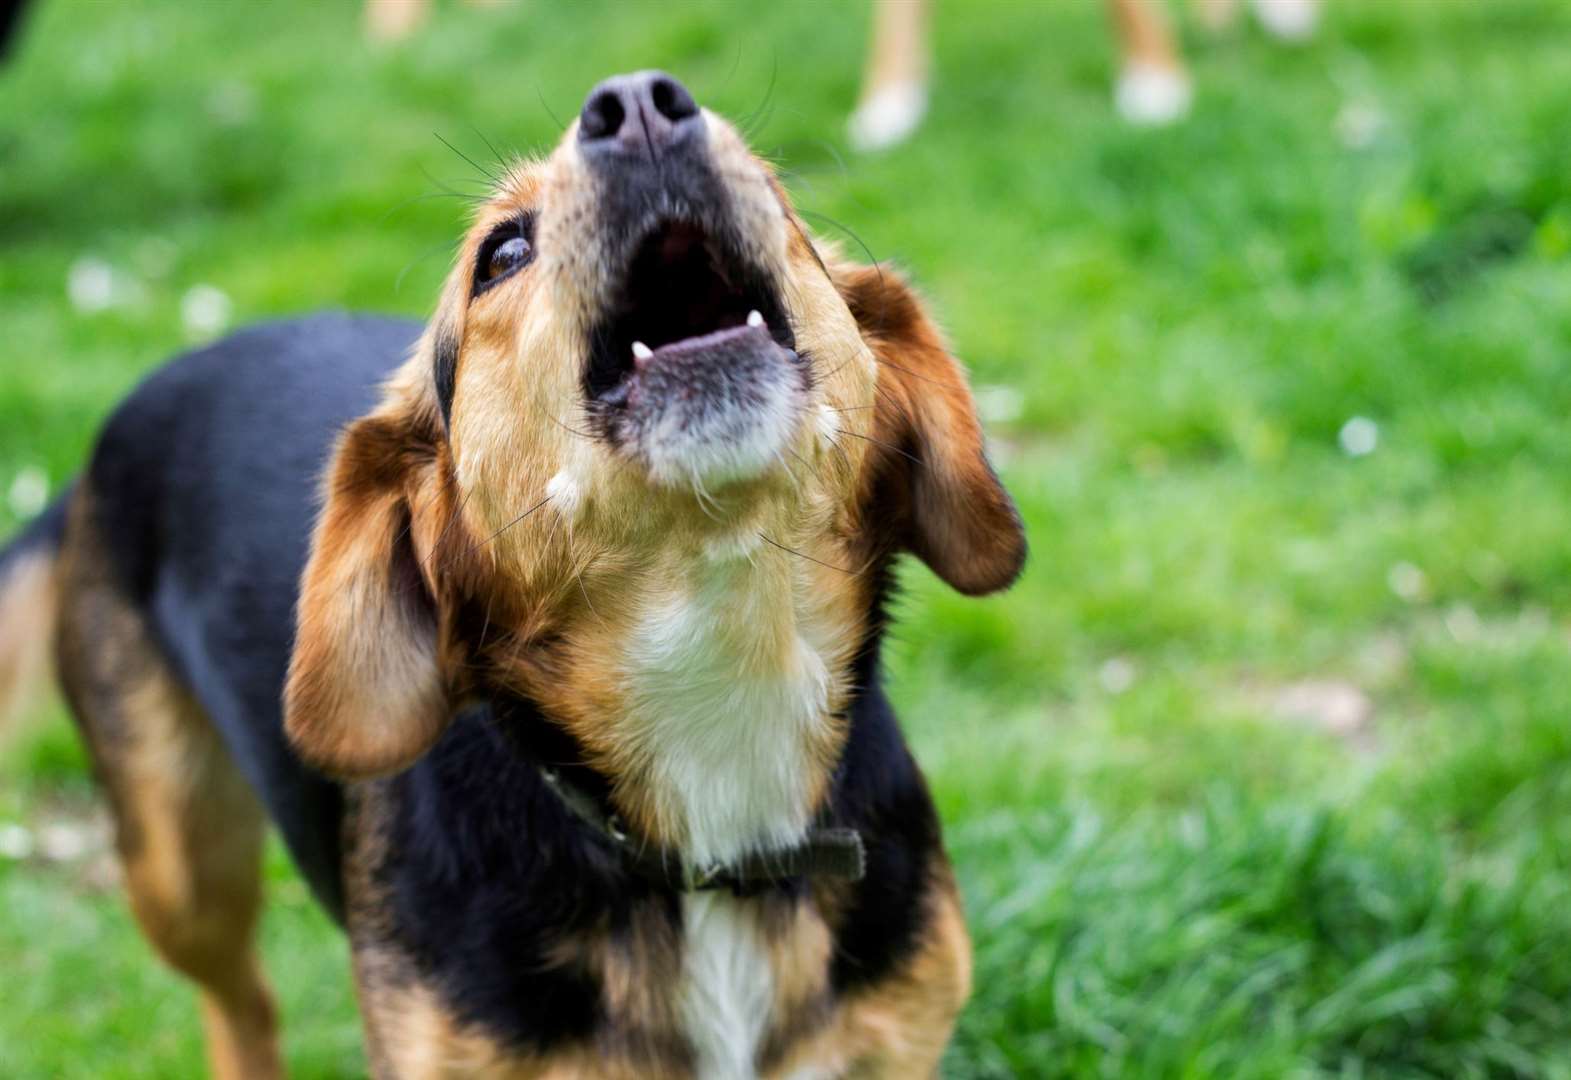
x,y
365,694
950,507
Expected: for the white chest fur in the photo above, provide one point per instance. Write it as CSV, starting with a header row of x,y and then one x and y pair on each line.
x,y
725,697
727,986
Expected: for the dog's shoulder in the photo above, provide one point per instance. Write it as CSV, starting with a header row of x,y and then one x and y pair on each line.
x,y
201,493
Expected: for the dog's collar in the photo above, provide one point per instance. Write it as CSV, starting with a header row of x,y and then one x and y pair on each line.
x,y
827,852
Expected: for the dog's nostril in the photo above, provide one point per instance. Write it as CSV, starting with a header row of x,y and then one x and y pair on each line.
x,y
602,116
639,116
671,99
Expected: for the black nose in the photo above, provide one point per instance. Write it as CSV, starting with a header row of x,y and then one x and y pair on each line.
x,y
645,113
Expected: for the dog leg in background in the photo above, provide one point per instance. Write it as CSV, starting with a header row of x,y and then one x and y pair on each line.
x,y
1288,20
1153,87
394,20
28,604
27,596
188,827
894,87
1216,15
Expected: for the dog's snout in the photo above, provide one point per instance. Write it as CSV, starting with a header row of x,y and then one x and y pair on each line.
x,y
646,114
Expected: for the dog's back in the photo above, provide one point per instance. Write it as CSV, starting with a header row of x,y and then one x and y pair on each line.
x,y
196,511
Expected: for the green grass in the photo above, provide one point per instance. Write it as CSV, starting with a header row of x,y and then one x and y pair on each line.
x,y
1165,877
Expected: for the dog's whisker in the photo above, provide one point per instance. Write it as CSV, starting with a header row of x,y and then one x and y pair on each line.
x,y
496,154
809,558
779,458
515,521
540,95
748,125
705,501
398,282
882,391
916,374
485,627
446,187
578,572
441,539
570,430
482,170
472,548
551,536
848,231
887,446
845,459
427,197
805,464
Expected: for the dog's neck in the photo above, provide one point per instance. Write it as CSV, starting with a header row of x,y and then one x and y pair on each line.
x,y
710,694
731,708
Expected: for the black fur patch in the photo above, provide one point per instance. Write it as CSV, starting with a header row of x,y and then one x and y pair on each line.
x,y
489,880
880,792
445,370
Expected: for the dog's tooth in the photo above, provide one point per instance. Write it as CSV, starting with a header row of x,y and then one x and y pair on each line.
x,y
754,318
642,351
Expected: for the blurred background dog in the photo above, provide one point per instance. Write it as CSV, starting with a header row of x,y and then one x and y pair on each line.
x,y
1153,85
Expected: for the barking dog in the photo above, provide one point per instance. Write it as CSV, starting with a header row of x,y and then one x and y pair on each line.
x,y
567,705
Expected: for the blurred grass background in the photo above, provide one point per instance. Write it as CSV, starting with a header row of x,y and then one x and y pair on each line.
x,y
1262,770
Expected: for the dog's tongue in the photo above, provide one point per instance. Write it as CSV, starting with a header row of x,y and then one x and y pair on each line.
x,y
718,362
743,337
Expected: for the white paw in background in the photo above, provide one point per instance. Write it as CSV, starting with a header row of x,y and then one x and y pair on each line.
x,y
888,117
1289,20
1151,94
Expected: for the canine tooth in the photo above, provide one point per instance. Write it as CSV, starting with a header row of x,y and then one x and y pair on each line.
x,y
642,351
754,318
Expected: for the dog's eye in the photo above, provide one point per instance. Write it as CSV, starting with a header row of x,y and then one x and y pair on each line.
x,y
508,254
507,249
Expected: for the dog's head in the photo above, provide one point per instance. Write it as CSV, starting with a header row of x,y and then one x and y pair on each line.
x,y
640,366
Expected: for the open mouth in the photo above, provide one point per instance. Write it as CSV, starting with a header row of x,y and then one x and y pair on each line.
x,y
684,296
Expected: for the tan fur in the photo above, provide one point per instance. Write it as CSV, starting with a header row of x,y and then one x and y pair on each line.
x,y
958,518
424,1041
801,947
365,656
188,829
28,603
900,1028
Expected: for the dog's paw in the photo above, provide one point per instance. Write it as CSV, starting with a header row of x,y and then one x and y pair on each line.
x,y
887,117
1289,20
1150,94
